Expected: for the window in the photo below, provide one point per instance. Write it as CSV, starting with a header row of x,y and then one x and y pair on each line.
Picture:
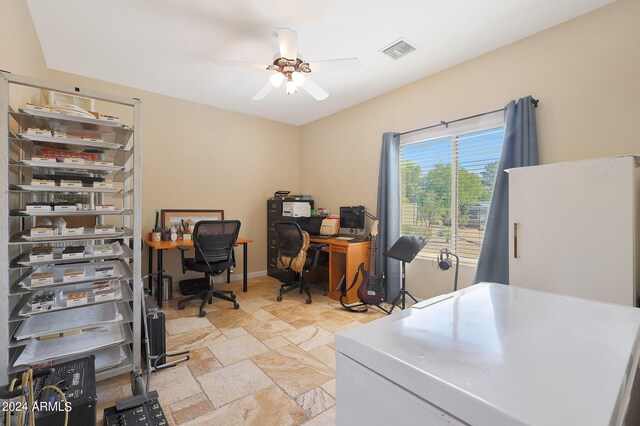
x,y
446,181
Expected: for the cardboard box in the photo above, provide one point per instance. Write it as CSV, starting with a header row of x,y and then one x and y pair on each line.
x,y
104,295
108,185
34,208
73,160
72,231
71,275
108,229
44,159
71,183
41,254
65,207
39,279
41,232
43,182
104,271
76,299
102,250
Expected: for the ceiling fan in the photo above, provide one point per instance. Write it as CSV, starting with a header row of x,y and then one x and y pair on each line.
x,y
288,66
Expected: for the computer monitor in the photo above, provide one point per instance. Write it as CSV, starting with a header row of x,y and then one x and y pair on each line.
x,y
352,221
310,224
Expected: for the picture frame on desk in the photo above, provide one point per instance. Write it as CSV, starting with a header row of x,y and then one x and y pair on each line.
x,y
175,217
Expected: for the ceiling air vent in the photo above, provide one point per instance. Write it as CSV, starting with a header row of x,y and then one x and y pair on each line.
x,y
398,49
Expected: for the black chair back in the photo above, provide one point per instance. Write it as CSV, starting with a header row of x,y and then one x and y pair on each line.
x,y
215,239
291,239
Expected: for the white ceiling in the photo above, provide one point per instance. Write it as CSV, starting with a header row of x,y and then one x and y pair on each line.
x,y
167,46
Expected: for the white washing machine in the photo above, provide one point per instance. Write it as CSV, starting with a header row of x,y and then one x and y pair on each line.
x,y
492,355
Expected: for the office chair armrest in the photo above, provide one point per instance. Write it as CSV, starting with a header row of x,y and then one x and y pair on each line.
x,y
316,256
182,250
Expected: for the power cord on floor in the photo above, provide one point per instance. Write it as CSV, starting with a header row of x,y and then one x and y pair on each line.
x,y
26,416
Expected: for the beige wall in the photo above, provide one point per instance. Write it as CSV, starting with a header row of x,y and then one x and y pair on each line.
x,y
196,156
20,51
586,73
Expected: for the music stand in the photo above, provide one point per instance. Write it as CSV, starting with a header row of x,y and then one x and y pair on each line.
x,y
405,250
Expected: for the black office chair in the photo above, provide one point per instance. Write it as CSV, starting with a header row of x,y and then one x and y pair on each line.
x,y
298,255
213,242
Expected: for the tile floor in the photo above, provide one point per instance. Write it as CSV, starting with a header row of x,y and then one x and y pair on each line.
x,y
267,363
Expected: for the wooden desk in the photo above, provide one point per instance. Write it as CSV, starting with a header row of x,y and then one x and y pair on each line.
x,y
160,246
344,258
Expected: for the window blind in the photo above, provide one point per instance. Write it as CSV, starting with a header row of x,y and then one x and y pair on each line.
x,y
446,186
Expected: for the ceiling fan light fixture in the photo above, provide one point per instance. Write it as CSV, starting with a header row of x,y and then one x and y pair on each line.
x,y
276,79
292,88
298,78
288,66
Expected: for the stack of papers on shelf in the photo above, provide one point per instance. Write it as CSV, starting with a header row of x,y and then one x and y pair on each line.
x,y
106,250
62,321
44,350
109,357
73,110
35,107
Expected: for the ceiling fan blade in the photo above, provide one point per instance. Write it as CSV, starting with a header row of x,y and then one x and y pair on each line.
x,y
264,91
347,64
227,62
314,90
288,42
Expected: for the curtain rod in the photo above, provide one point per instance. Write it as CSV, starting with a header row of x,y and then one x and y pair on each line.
x,y
446,123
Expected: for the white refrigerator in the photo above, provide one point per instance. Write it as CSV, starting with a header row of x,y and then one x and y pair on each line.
x,y
494,355
573,228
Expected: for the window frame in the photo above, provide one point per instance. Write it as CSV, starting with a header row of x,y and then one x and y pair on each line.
x,y
454,131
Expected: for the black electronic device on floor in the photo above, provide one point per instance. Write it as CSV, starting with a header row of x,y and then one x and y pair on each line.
x,y
405,250
156,322
143,407
146,412
156,325
77,379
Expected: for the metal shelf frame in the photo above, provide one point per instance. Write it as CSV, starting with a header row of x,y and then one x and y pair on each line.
x,y
126,144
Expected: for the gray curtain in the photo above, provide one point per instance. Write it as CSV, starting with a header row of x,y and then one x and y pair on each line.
x,y
520,149
388,211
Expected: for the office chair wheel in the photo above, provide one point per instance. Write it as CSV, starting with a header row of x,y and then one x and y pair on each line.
x,y
236,306
233,296
308,300
180,305
202,313
279,298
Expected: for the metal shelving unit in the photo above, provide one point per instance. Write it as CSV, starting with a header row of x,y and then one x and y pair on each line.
x,y
111,154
